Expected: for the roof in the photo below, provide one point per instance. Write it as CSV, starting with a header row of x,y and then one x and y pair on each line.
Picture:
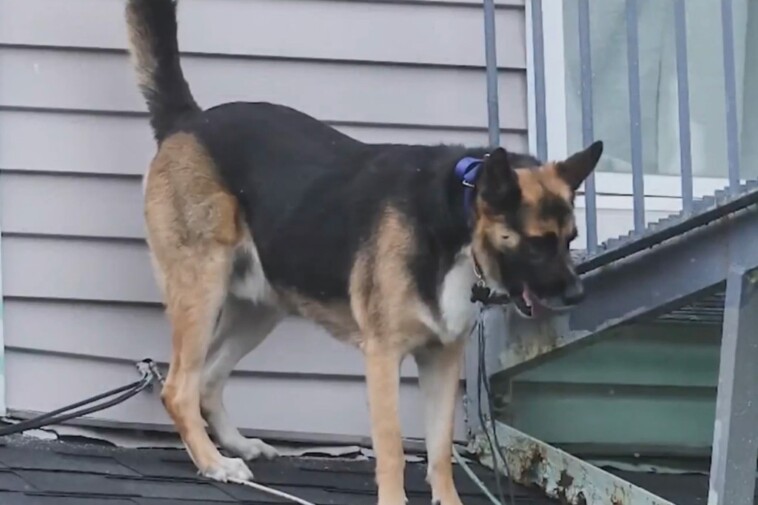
x,y
36,472
42,472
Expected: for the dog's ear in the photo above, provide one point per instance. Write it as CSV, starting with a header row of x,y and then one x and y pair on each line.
x,y
498,183
577,167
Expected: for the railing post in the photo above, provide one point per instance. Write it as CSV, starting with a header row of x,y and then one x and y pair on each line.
x,y
585,57
683,95
538,65
635,114
490,54
730,88
735,432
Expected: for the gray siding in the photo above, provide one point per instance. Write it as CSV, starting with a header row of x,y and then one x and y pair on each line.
x,y
80,301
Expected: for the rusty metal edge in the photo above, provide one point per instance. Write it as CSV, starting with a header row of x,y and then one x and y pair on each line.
x,y
559,474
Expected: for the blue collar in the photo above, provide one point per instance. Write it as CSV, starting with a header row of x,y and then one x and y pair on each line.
x,y
467,171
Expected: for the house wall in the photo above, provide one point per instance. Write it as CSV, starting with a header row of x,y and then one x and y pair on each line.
x,y
80,303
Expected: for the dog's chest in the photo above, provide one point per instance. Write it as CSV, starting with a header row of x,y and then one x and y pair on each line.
x,y
456,311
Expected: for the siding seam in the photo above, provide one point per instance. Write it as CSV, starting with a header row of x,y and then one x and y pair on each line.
x,y
331,122
259,57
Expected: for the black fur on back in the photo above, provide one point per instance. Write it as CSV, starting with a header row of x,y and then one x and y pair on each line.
x,y
312,195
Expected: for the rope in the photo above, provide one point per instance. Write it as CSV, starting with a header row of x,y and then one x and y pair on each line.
x,y
271,491
476,480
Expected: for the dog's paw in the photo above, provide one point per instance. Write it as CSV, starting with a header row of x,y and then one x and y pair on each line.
x,y
253,448
228,469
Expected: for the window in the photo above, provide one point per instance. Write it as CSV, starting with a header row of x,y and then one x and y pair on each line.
x,y
658,85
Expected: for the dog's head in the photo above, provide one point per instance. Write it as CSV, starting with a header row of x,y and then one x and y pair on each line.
x,y
524,226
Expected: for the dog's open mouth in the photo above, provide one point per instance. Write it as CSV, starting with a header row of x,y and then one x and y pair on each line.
x,y
524,303
530,305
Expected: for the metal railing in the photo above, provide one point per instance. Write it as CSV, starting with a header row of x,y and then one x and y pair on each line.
x,y
733,259
588,131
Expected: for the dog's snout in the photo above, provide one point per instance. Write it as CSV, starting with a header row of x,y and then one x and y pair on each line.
x,y
574,292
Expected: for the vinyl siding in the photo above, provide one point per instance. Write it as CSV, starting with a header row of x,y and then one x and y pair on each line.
x,y
81,304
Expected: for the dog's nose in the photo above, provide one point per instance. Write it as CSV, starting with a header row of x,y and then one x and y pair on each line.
x,y
574,292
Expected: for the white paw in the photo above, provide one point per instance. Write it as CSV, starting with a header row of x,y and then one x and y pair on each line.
x,y
253,448
229,469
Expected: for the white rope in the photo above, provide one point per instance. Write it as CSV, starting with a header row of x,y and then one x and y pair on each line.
x,y
274,492
476,480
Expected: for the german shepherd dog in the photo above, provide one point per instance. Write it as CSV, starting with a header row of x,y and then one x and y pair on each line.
x,y
256,211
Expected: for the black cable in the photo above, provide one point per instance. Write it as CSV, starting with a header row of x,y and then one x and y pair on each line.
x,y
483,422
60,415
495,449
48,419
75,405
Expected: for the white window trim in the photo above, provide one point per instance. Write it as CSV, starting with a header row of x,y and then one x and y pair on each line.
x,y
614,190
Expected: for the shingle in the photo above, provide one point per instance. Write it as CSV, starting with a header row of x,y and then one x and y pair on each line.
x,y
173,488
56,499
164,501
147,466
72,483
12,482
52,460
14,499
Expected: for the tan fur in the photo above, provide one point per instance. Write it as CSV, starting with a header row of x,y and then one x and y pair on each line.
x,y
439,375
535,185
336,318
383,296
192,230
385,304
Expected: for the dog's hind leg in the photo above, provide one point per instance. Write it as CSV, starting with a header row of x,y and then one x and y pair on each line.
x,y
193,230
439,376
242,327
195,290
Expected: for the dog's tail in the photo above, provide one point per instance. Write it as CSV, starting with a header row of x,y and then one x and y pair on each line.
x,y
154,49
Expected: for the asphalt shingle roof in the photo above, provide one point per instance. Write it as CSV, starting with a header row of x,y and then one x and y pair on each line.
x,y
61,473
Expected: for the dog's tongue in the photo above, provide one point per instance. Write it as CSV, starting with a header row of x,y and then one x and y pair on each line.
x,y
531,301
527,296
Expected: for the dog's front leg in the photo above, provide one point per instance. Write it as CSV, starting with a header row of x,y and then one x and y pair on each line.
x,y
383,380
439,373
